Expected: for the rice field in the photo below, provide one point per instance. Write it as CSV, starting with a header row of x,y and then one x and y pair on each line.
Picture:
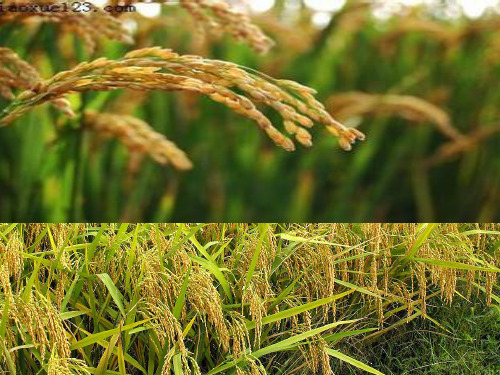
x,y
182,113
121,116
161,299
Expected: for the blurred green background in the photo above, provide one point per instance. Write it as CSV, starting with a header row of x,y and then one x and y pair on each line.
x,y
406,170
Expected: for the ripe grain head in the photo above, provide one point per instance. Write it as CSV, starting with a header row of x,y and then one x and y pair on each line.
x,y
138,137
162,69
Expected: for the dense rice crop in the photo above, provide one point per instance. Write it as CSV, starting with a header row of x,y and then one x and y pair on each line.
x,y
227,298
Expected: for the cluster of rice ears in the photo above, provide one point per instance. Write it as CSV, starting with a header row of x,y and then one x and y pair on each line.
x,y
378,76
154,68
161,299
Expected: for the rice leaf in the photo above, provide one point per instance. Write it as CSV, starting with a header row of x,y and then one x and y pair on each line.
x,y
113,290
352,361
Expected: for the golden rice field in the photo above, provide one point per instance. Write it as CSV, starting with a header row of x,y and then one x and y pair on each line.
x,y
169,111
161,299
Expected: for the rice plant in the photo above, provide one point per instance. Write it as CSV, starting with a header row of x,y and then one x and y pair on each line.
x,y
227,298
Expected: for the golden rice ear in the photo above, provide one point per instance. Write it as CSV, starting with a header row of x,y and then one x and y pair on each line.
x,y
158,69
491,279
42,322
15,73
454,148
316,357
92,25
10,255
257,310
165,325
54,325
188,364
65,366
355,104
239,334
422,287
206,301
138,137
5,282
218,16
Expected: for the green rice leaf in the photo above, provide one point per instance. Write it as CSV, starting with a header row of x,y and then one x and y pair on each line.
x,y
93,338
352,361
113,290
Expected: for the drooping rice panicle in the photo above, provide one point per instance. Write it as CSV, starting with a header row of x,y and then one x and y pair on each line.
x,y
162,69
353,104
86,20
218,16
138,137
15,73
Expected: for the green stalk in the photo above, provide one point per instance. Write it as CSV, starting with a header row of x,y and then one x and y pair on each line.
x,y
10,363
74,212
77,178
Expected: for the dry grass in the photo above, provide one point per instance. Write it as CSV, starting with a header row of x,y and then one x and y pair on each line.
x,y
225,298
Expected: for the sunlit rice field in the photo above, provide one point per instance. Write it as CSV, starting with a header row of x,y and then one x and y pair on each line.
x,y
161,299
